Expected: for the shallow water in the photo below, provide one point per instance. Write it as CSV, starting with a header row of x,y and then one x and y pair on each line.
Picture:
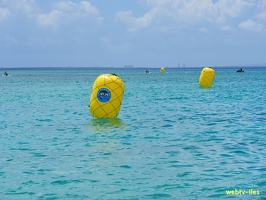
x,y
171,140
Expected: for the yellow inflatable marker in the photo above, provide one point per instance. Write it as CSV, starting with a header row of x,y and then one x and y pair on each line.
x,y
106,97
206,77
162,70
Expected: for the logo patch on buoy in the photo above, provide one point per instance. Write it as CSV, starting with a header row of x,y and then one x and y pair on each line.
x,y
104,95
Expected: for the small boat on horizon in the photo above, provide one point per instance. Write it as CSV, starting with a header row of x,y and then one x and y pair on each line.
x,y
240,70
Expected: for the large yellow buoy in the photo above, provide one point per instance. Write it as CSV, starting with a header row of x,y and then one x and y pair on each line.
x,y
206,77
162,70
106,97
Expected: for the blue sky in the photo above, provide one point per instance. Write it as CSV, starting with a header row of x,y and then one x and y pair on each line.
x,y
143,33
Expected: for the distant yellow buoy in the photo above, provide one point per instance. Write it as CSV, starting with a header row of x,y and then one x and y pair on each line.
x,y
106,97
162,70
206,77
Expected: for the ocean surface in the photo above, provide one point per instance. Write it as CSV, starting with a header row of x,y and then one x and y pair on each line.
x,y
171,140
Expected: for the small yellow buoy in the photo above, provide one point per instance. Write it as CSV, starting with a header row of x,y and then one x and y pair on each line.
x,y
162,70
106,97
206,77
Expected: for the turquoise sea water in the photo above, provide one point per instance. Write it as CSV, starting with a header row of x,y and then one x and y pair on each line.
x,y
171,140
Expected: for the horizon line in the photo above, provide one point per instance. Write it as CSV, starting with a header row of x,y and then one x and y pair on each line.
x,y
195,67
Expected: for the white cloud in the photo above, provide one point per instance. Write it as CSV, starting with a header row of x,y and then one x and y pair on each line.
x,y
62,12
262,14
51,19
19,6
137,23
232,8
187,12
88,8
65,6
250,25
84,7
4,13
66,11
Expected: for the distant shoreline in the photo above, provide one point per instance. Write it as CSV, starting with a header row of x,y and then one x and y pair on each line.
x,y
125,68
